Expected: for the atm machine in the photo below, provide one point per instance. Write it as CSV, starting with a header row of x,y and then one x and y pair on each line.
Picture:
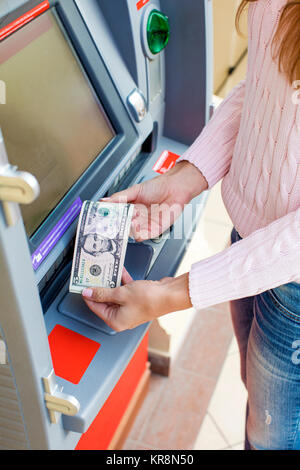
x,y
99,95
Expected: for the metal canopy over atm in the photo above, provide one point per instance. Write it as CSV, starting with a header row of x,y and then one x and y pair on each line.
x,y
92,99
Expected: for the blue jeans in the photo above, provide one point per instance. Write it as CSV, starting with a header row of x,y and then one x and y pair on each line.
x,y
267,328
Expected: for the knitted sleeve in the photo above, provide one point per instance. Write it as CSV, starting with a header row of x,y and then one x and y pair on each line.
x,y
267,258
212,151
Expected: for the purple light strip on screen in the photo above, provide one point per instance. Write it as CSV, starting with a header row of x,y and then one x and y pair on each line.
x,y
56,233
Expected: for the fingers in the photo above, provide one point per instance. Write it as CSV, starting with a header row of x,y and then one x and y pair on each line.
x,y
165,280
107,312
128,195
126,278
101,310
138,231
102,295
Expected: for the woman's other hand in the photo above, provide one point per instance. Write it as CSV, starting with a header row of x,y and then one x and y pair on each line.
x,y
138,302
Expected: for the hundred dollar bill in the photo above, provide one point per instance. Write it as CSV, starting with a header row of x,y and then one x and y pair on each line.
x,y
100,245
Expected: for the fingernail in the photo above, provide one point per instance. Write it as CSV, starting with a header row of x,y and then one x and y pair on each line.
x,y
87,292
104,198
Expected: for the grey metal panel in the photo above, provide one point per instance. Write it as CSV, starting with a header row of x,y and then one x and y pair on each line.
x,y
103,372
24,332
8,6
121,31
73,306
189,68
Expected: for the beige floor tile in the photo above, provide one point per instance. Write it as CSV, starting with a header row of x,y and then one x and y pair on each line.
x,y
210,238
177,324
212,232
216,235
209,437
155,390
233,348
228,404
206,345
179,413
134,445
199,249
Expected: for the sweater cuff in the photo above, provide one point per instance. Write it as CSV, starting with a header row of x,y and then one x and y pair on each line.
x,y
210,281
212,173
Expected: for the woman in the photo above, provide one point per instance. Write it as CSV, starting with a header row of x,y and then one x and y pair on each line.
x,y
252,142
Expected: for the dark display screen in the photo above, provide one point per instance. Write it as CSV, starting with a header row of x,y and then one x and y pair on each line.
x,y
53,124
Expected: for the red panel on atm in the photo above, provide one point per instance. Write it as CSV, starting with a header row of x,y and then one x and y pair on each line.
x,y
71,353
104,426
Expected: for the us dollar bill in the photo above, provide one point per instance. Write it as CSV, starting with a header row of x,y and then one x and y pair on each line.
x,y
100,245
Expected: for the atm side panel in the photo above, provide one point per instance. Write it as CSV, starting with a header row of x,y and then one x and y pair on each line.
x,y
24,338
25,357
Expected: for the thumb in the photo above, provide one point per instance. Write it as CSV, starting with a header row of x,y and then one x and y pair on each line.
x,y
128,195
102,294
126,277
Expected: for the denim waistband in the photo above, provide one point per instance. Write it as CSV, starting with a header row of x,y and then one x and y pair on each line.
x,y
235,236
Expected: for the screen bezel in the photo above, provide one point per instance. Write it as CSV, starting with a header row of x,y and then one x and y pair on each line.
x,y
97,174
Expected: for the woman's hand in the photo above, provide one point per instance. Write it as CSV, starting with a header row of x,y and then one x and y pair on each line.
x,y
159,201
137,302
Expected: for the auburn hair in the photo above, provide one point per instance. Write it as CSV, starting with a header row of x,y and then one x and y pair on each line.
x,y
286,40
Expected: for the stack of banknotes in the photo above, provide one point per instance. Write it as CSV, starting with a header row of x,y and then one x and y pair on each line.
x,y
100,245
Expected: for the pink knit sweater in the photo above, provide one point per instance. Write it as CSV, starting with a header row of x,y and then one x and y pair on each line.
x,y
253,142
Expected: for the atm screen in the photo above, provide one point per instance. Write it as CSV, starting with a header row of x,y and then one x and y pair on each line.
x,y
53,124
